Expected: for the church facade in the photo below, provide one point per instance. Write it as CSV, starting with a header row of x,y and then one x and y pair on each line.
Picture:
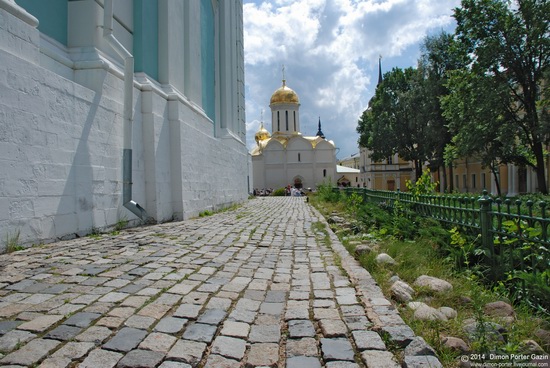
x,y
287,157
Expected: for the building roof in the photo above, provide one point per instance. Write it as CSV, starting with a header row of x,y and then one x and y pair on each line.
x,y
346,170
284,95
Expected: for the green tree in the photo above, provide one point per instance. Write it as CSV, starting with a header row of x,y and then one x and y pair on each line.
x,y
441,54
479,122
394,122
509,50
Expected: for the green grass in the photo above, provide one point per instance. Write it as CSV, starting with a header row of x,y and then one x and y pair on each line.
x,y
418,249
12,242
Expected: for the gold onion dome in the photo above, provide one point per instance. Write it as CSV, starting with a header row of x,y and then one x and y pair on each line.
x,y
284,95
262,133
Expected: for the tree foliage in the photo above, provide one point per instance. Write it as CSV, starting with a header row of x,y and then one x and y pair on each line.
x,y
505,82
482,92
392,123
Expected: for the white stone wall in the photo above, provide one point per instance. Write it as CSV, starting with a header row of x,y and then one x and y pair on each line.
x,y
61,146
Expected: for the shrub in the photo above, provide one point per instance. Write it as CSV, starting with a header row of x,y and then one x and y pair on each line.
x,y
280,192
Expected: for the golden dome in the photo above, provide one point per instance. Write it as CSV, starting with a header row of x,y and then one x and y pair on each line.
x,y
284,95
262,134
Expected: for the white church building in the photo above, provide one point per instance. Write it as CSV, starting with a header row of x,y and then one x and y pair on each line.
x,y
285,156
118,110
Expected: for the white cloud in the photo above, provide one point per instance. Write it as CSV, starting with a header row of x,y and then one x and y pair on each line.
x,y
330,51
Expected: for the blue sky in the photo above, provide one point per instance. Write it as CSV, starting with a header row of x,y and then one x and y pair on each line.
x,y
330,51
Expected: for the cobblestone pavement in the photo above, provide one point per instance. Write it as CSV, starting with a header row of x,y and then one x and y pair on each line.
x,y
261,285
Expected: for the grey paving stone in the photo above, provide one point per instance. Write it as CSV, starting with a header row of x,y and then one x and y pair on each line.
x,y
303,362
229,347
339,364
218,361
13,338
243,315
125,340
265,333
101,358
141,359
379,359
272,308
95,334
6,326
212,316
368,340
263,355
401,335
235,329
158,342
31,353
82,319
131,288
186,351
170,364
63,333
337,349
74,350
170,325
302,347
190,311
357,322
333,327
56,289
200,332
140,322
41,323
300,328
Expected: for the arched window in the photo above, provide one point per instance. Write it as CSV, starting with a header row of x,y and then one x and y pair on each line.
x,y
295,122
324,173
278,122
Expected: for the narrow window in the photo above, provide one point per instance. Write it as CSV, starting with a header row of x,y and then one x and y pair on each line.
x,y
456,182
286,117
483,181
295,122
278,122
299,159
324,173
464,181
473,181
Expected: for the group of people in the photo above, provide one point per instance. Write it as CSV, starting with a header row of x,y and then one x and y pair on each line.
x,y
293,192
263,192
289,191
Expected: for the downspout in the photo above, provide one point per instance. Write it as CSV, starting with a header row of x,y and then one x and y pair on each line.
x,y
127,201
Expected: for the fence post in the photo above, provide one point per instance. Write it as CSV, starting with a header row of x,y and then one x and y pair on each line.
x,y
486,225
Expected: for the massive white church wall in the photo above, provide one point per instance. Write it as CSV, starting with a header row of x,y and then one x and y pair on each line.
x,y
61,147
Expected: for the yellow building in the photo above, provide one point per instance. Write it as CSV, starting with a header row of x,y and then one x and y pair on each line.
x,y
389,174
468,176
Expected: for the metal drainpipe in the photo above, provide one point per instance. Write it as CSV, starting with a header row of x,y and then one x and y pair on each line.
x,y
127,201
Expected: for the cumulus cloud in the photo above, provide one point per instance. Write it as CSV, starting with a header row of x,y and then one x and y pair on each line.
x,y
330,50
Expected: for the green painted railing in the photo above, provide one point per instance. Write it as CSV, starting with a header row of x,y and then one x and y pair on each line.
x,y
514,235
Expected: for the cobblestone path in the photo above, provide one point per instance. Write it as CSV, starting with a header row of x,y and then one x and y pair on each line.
x,y
267,284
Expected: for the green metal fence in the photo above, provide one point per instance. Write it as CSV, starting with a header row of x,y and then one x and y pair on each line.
x,y
513,234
